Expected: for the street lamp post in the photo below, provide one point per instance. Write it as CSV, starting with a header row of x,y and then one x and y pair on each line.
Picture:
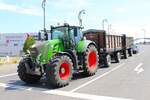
x,y
103,23
144,31
44,26
43,7
109,28
79,16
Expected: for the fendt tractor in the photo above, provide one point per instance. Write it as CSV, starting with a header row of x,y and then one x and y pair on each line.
x,y
65,53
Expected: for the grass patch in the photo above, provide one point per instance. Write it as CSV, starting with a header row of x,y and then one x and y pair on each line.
x,y
9,60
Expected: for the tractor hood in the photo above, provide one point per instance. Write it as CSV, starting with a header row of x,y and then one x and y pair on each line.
x,y
36,48
46,49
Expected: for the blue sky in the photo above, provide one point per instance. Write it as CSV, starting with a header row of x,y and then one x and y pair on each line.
x,y
125,16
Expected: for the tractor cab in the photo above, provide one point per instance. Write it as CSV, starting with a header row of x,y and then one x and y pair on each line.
x,y
70,35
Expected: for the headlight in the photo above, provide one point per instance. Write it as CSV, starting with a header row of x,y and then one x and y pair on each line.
x,y
33,46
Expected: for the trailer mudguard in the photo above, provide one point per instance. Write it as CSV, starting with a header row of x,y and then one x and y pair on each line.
x,y
83,44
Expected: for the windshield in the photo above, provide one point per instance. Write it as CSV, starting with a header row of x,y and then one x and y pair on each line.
x,y
59,32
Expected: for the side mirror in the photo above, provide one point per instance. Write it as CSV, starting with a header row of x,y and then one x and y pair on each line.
x,y
75,32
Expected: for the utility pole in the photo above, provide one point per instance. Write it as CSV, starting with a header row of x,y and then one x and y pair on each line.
x,y
144,31
43,7
103,23
109,28
44,26
79,16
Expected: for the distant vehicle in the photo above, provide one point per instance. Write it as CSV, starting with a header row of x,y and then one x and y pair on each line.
x,y
135,49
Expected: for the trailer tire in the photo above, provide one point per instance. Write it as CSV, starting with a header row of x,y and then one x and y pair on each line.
x,y
135,52
28,78
130,52
117,57
108,60
91,60
59,71
125,54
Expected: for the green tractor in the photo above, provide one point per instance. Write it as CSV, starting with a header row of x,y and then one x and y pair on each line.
x,y
59,58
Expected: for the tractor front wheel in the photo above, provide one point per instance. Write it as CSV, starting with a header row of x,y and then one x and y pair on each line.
x,y
59,71
91,60
24,76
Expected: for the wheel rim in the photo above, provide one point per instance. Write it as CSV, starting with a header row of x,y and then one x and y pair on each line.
x,y
64,71
92,59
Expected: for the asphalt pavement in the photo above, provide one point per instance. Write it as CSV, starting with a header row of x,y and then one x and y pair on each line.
x,y
127,80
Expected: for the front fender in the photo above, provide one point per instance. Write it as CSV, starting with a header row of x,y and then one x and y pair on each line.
x,y
49,49
82,45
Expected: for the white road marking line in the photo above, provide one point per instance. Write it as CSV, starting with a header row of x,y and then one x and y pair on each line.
x,y
13,74
29,89
138,66
64,93
3,85
138,54
14,86
89,82
138,69
81,95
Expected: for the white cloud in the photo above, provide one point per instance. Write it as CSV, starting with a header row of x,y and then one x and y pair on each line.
x,y
69,4
22,10
120,10
133,30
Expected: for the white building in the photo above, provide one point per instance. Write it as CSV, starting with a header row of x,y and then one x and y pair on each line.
x,y
11,44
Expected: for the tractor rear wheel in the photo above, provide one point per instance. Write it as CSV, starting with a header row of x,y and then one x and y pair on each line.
x,y
28,78
91,59
59,71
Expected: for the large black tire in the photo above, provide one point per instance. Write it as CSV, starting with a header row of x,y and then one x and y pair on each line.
x,y
28,78
117,57
91,60
59,71
108,60
130,52
125,53
135,52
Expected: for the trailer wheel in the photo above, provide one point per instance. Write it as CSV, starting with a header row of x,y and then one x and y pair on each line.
x,y
125,53
28,78
117,57
108,60
134,52
91,59
130,52
59,71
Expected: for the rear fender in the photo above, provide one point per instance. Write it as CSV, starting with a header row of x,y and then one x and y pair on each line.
x,y
82,45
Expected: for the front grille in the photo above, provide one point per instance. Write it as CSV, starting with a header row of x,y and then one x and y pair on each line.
x,y
34,52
